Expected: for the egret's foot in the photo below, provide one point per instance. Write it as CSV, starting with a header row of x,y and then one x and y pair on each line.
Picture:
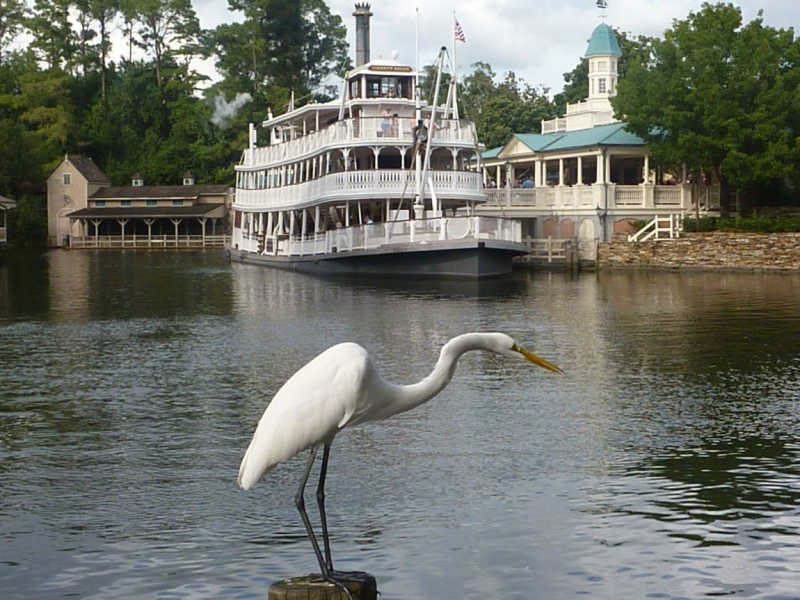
x,y
341,578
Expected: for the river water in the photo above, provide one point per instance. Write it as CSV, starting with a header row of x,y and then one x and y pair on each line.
x,y
665,463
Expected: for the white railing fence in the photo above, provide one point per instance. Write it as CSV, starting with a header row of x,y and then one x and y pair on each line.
x,y
660,228
144,241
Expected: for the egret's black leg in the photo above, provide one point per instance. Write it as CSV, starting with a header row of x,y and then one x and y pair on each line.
x,y
300,503
323,471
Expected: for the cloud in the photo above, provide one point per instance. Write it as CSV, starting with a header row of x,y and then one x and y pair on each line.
x,y
539,41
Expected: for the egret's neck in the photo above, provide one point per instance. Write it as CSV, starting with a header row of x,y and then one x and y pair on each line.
x,y
411,396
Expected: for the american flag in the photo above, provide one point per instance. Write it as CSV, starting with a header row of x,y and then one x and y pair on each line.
x,y
459,33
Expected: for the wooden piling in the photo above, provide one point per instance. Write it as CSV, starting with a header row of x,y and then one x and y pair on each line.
x,y
362,586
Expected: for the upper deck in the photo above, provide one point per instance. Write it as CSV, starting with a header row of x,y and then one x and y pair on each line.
x,y
357,131
377,109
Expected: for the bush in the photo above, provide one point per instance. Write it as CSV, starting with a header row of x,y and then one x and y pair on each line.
x,y
27,223
752,225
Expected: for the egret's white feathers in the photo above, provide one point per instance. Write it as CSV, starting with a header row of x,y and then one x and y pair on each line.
x,y
341,387
309,409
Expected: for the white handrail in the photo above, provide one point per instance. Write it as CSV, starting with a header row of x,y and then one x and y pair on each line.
x,y
656,229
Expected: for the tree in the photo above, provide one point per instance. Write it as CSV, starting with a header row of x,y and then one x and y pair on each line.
x,y
103,13
288,44
53,37
515,107
12,21
22,153
168,27
499,110
325,49
477,88
718,96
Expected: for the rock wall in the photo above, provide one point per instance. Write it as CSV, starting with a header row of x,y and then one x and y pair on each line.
x,y
716,250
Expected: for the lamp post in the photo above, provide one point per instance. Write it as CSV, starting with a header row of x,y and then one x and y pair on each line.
x,y
508,183
601,217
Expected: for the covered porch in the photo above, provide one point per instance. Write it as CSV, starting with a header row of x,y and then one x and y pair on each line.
x,y
198,226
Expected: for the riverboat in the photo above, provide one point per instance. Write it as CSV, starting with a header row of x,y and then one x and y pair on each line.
x,y
376,183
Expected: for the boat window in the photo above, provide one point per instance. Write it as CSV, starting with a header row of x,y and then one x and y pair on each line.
x,y
384,87
388,87
404,87
354,89
373,87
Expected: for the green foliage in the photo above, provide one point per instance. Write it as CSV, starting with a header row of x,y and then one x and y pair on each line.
x,y
13,14
63,95
289,44
499,110
514,107
753,225
719,96
27,223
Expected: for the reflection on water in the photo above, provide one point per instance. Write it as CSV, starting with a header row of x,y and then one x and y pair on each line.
x,y
665,464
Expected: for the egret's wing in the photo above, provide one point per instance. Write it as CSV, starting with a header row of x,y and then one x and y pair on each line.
x,y
309,409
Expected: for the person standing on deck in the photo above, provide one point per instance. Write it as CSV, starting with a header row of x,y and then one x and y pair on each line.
x,y
386,124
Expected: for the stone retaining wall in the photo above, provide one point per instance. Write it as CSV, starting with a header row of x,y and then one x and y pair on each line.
x,y
716,250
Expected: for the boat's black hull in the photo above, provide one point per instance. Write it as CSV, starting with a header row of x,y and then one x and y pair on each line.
x,y
465,260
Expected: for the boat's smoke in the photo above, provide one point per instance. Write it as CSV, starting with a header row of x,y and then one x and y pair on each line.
x,y
224,110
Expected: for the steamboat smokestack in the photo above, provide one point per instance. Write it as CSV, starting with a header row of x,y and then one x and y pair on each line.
x,y
362,16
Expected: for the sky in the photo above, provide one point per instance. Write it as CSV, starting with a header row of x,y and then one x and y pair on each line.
x,y
539,40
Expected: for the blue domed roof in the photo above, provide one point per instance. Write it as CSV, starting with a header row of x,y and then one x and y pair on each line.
x,y
603,41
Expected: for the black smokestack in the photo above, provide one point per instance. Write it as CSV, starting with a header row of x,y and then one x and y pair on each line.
x,y
362,16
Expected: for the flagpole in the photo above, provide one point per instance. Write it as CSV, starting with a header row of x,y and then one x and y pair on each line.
x,y
416,42
455,62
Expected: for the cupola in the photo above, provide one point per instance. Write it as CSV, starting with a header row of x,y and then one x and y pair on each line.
x,y
603,54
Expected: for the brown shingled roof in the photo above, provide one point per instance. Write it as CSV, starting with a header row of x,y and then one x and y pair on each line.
x,y
176,192
140,212
89,170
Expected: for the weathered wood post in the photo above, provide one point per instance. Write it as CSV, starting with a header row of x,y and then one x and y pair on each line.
x,y
362,586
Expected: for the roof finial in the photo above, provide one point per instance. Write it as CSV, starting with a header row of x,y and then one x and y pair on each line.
x,y
602,5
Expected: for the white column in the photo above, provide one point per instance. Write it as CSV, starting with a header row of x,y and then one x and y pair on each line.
x,y
580,170
601,169
646,177
560,171
537,173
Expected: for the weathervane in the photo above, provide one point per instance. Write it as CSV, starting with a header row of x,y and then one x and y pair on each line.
x,y
602,5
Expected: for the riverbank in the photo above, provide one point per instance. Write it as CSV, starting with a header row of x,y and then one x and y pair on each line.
x,y
778,252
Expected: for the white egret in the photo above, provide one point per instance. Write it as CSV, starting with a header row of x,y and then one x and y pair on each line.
x,y
338,388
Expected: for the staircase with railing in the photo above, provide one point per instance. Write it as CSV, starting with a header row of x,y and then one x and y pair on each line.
x,y
660,228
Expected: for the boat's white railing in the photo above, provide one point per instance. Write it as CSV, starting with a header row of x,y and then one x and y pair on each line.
x,y
360,185
355,132
373,236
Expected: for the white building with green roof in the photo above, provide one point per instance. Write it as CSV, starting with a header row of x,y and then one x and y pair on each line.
x,y
590,177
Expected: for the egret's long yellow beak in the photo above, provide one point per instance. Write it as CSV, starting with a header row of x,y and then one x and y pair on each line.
x,y
537,360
